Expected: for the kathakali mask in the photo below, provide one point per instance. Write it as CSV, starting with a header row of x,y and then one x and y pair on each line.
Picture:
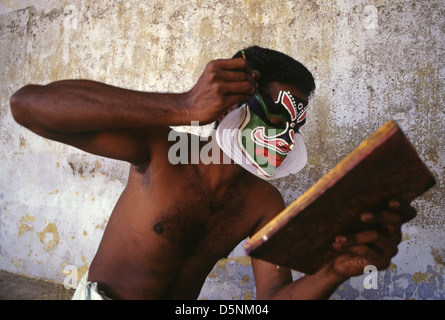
x,y
268,133
266,140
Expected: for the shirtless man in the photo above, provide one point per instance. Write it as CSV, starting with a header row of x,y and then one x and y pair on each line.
x,y
172,223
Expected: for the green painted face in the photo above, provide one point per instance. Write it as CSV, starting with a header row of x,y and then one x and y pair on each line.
x,y
267,134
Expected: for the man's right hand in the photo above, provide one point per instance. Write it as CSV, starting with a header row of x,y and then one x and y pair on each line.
x,y
223,83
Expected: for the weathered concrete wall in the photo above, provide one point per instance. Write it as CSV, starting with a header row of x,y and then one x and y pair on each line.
x,y
372,60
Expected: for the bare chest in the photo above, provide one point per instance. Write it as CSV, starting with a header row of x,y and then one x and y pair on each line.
x,y
198,224
186,218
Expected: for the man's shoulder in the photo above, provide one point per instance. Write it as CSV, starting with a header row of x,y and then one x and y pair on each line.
x,y
265,202
263,185
267,196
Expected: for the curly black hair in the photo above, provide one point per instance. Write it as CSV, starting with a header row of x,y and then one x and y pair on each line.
x,y
276,66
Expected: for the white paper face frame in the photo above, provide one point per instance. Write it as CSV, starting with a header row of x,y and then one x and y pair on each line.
x,y
227,135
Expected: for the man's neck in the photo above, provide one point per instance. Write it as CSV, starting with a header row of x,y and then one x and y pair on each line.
x,y
222,174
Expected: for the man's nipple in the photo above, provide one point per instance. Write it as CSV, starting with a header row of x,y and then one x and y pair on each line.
x,y
158,228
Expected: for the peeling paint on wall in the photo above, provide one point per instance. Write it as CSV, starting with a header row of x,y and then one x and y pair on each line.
x,y
25,224
372,60
49,237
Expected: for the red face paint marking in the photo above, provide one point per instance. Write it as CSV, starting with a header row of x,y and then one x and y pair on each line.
x,y
277,143
274,160
287,102
302,117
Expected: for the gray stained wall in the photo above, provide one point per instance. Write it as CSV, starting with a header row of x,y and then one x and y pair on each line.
x,y
372,61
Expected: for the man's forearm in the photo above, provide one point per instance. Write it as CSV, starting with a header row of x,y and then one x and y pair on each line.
x,y
310,287
83,105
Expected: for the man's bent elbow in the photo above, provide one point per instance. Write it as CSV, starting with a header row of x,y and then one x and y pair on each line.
x,y
21,104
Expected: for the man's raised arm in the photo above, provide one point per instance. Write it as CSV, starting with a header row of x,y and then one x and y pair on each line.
x,y
82,105
100,118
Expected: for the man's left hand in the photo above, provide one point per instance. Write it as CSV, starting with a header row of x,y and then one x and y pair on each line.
x,y
375,246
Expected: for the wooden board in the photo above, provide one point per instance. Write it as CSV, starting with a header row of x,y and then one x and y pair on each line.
x,y
384,167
